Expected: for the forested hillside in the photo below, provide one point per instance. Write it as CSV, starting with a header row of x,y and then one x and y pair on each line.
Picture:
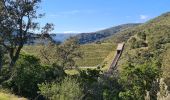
x,y
99,35
146,53
124,35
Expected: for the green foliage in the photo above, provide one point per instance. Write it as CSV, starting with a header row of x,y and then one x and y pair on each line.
x,y
132,41
166,66
68,52
5,74
68,89
151,42
26,75
48,53
138,79
54,72
123,35
142,35
137,43
111,88
90,75
96,86
2,51
20,20
91,86
64,54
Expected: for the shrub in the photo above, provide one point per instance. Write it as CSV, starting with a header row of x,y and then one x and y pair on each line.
x,y
138,79
68,89
54,72
139,44
26,75
142,35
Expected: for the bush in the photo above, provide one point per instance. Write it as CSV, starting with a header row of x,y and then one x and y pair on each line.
x,y
132,41
68,89
26,75
54,72
24,78
138,44
142,35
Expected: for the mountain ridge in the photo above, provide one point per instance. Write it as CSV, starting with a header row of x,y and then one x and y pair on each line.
x,y
84,38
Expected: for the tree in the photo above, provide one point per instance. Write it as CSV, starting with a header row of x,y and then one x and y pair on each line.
x,y
68,52
64,54
1,56
17,21
48,53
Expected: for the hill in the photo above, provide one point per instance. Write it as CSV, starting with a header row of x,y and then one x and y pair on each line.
x,y
93,54
61,37
56,37
99,35
147,42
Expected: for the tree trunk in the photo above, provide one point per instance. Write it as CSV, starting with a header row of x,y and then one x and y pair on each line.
x,y
1,60
15,57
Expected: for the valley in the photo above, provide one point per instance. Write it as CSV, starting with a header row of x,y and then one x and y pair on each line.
x,y
84,50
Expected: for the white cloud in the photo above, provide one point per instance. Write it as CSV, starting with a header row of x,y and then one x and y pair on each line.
x,y
144,17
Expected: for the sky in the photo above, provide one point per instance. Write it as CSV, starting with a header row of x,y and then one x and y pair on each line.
x,y
78,16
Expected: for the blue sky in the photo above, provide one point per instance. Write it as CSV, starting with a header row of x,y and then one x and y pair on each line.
x,y
71,16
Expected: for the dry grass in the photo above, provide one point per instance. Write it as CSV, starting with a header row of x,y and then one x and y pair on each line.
x,y
6,96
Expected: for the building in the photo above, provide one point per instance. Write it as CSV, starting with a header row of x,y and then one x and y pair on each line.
x,y
120,47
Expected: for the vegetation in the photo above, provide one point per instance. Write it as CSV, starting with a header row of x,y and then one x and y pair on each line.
x,y
92,54
85,38
26,75
143,70
4,96
7,95
16,21
155,35
68,89
142,78
166,67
